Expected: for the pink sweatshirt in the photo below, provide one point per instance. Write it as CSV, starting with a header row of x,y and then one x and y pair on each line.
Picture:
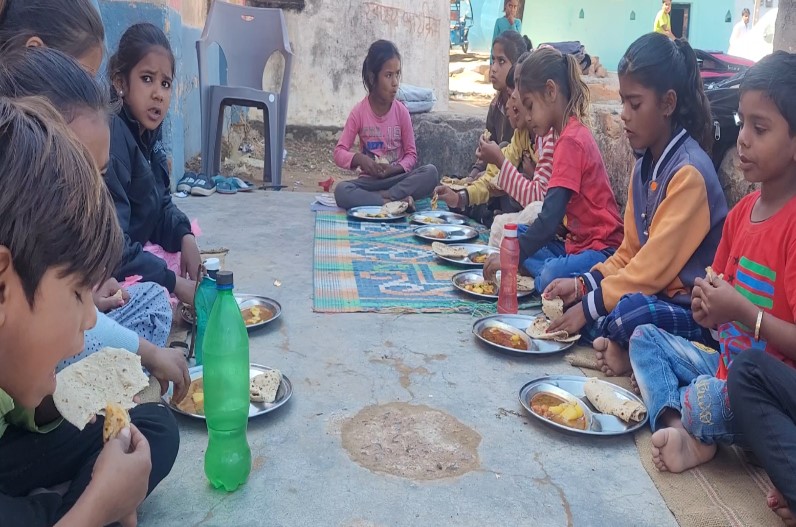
x,y
389,137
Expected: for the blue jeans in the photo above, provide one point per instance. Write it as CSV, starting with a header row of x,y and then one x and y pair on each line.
x,y
674,373
552,261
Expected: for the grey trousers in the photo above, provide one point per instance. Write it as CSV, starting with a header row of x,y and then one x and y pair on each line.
x,y
419,183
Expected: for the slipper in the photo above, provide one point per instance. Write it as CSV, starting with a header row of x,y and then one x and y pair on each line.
x,y
186,182
240,184
202,186
224,185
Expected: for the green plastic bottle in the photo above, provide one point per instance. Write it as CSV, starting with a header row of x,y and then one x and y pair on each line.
x,y
228,458
205,298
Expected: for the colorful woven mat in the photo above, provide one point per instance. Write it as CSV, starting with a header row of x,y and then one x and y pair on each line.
x,y
384,268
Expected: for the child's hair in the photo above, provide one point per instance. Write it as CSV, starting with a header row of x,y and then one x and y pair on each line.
x,y
74,28
775,76
57,212
550,64
746,12
661,64
510,77
136,42
513,45
378,53
49,73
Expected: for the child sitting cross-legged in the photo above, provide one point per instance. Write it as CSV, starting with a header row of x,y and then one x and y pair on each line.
x,y
751,302
56,244
579,194
675,211
387,155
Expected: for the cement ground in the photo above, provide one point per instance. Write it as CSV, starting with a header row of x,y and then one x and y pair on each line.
x,y
524,473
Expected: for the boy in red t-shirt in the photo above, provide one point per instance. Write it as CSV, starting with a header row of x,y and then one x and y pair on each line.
x,y
752,303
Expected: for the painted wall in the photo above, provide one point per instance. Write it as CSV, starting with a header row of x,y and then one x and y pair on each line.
x,y
485,12
330,40
606,28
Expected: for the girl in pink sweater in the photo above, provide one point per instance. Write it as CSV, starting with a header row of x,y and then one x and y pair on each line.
x,y
387,156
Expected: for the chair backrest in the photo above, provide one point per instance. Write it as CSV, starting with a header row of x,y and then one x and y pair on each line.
x,y
247,36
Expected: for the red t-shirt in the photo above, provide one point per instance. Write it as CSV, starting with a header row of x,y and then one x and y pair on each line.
x,y
759,259
592,216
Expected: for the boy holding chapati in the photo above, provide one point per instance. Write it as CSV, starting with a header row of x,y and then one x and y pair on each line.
x,y
56,243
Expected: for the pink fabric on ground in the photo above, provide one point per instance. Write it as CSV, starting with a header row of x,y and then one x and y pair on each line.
x,y
172,259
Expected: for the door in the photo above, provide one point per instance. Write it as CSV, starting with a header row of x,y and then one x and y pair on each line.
x,y
680,15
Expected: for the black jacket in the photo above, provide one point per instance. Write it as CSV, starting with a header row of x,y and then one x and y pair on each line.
x,y
143,205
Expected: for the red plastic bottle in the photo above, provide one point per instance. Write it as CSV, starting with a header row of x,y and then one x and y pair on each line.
x,y
509,262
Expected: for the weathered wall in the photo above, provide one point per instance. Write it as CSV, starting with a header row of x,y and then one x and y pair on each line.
x,y
330,40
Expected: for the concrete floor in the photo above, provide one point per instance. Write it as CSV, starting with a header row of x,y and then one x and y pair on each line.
x,y
529,475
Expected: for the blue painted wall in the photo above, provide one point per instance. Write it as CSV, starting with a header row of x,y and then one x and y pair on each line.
x,y
485,12
182,127
606,28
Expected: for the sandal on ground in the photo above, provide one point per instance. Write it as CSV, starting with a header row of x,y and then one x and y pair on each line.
x,y
203,186
224,185
186,182
240,184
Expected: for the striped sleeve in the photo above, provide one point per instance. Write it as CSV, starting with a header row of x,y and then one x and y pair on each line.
x,y
522,189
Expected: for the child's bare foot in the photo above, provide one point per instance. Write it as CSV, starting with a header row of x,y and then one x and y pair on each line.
x,y
777,503
611,358
634,384
675,450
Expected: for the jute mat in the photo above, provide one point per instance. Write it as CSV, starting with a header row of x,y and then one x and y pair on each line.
x,y
728,491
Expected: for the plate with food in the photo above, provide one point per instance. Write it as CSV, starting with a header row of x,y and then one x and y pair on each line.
x,y
465,254
446,233
269,389
395,210
583,405
511,324
257,311
473,283
438,217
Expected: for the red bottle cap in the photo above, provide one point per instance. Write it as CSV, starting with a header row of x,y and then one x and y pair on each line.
x,y
510,227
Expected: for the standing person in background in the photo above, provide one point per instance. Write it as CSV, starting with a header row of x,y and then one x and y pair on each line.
x,y
741,28
663,22
510,22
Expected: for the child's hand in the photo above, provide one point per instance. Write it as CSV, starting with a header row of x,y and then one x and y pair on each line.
x,y
106,296
185,289
572,322
564,288
474,173
717,304
190,259
528,166
166,364
120,479
368,166
491,267
449,196
490,152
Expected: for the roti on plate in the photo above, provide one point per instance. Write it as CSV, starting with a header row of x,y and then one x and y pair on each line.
x,y
263,387
525,283
88,386
538,330
603,397
553,308
394,208
116,419
448,251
